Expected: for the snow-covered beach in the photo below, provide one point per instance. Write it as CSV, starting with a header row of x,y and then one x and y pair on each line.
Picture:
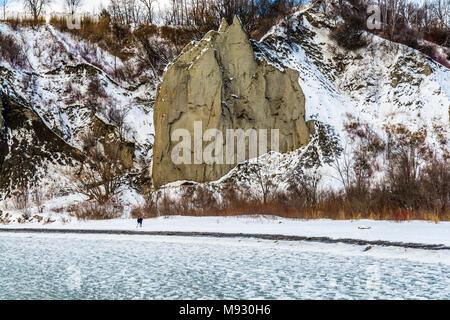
x,y
377,238
372,230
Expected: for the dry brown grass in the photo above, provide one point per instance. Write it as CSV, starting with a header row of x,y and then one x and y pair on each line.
x,y
285,211
25,22
201,201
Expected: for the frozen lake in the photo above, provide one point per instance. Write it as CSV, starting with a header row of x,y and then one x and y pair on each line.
x,y
140,267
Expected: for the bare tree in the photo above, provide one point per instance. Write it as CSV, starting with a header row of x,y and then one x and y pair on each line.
x,y
103,170
125,12
73,5
263,180
406,156
21,199
148,5
305,184
155,54
442,12
39,198
343,166
116,116
35,7
3,4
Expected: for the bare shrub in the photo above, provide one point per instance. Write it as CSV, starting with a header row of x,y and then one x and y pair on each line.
x,y
5,218
103,170
304,186
407,152
157,53
21,198
329,205
438,35
435,184
230,195
95,93
11,51
146,212
166,205
39,198
59,22
415,186
201,199
95,89
428,50
406,36
263,179
368,146
116,116
191,200
349,34
92,210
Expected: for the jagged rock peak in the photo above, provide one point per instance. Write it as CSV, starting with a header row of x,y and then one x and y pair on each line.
x,y
223,25
218,83
236,24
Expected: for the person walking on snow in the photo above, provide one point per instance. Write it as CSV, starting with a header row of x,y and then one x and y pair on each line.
x,y
139,222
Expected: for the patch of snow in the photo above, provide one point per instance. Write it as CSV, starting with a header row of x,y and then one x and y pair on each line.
x,y
412,231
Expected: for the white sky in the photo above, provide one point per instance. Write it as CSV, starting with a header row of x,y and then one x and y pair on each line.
x,y
88,6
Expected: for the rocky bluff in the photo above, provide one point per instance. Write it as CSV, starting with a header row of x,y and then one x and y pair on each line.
x,y
218,83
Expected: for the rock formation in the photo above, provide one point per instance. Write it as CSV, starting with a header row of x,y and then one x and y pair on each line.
x,y
29,150
219,83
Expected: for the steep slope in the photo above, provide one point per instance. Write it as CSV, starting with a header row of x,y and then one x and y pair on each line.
x,y
30,151
382,84
67,87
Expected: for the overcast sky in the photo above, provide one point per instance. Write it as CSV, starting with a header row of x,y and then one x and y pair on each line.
x,y
89,6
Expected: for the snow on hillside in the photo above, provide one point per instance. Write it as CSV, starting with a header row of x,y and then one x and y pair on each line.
x,y
384,83
55,81
381,84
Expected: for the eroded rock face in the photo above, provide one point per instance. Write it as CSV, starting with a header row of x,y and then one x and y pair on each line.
x,y
29,151
219,82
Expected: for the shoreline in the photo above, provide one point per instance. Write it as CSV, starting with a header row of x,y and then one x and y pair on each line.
x,y
274,237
